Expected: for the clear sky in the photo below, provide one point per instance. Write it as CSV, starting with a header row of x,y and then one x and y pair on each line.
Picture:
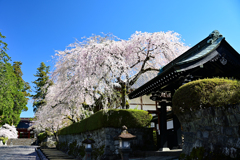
x,y
34,29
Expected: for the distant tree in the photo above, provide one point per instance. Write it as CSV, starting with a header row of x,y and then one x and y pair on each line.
x,y
41,83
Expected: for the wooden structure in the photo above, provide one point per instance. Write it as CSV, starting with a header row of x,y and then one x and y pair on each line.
x,y
212,57
22,128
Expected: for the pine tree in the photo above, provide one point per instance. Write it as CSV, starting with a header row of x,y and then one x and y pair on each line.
x,y
42,80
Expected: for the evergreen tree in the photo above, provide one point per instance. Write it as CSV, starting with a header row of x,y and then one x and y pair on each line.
x,y
41,89
13,89
21,95
5,94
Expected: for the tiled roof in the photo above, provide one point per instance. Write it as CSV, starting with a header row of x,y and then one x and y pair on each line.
x,y
203,52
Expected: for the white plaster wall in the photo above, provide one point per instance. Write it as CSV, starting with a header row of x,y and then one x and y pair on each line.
x,y
145,100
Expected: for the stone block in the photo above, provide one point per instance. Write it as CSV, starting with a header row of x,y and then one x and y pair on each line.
x,y
208,128
233,121
222,130
237,116
189,137
187,148
238,108
221,139
198,143
223,121
237,145
228,131
199,134
233,152
211,121
212,138
216,129
205,134
225,151
198,114
219,112
231,142
211,147
230,110
204,121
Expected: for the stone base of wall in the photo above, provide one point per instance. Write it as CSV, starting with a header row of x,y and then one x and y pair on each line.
x,y
216,129
105,145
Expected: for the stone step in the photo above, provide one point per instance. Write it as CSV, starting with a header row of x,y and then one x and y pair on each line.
x,y
53,154
22,141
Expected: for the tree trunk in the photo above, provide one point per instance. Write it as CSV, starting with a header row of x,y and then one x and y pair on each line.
x,y
123,95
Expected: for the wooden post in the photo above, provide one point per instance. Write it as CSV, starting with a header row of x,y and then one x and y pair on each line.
x,y
163,127
158,115
177,131
141,103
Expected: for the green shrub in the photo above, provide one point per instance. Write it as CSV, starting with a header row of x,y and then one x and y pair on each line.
x,y
42,136
4,139
206,93
113,118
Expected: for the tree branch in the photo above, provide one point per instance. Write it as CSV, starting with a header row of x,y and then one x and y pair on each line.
x,y
139,74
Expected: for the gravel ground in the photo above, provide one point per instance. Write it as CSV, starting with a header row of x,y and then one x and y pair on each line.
x,y
18,153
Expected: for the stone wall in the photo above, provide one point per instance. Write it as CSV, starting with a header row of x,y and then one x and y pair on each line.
x,y
105,145
217,129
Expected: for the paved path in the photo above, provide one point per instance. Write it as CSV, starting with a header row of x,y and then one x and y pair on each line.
x,y
18,153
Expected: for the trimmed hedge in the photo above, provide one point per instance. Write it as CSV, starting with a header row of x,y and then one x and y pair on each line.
x,y
205,93
113,118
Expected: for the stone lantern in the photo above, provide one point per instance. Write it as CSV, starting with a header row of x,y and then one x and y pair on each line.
x,y
124,143
88,147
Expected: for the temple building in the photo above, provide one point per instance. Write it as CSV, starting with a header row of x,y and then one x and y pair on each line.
x,y
211,57
23,126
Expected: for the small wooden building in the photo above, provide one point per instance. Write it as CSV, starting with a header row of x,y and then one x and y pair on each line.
x,y
212,57
23,126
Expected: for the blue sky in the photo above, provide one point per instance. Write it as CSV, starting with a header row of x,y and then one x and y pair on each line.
x,y
36,28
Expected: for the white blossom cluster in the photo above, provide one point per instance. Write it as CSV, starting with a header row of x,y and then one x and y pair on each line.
x,y
8,131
